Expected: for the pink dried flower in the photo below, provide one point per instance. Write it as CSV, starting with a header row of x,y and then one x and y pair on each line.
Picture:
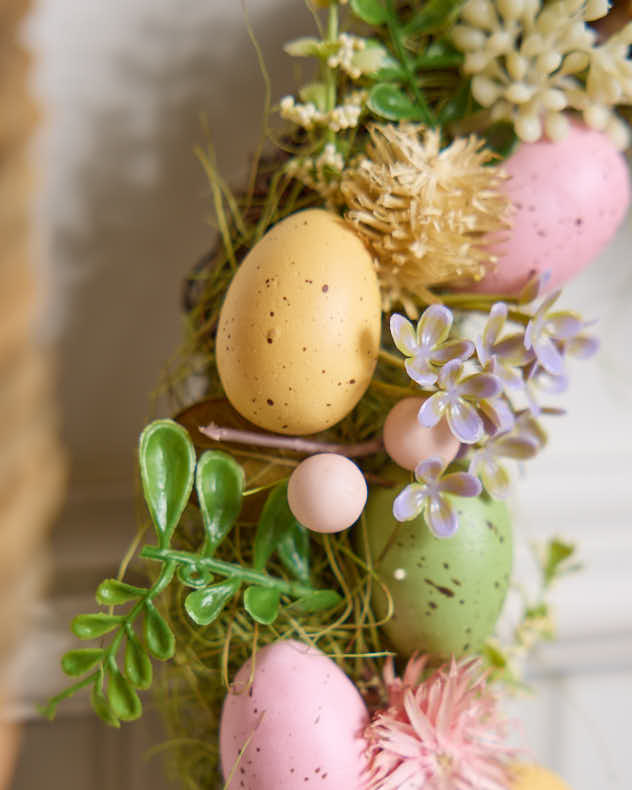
x,y
442,733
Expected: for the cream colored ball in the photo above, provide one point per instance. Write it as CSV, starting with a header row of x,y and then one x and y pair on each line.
x,y
534,777
327,492
408,442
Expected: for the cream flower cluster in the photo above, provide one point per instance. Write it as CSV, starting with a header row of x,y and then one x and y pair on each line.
x,y
321,173
531,60
348,46
307,115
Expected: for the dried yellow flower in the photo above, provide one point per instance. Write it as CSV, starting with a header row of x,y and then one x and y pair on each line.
x,y
424,212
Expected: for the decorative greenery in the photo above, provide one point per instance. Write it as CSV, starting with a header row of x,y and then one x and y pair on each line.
x,y
168,472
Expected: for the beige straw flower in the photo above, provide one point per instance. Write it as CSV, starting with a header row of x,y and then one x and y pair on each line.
x,y
424,211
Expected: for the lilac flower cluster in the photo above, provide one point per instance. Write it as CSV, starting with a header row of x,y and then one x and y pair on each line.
x,y
474,386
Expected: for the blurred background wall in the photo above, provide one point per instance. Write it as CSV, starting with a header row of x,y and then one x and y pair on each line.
x,y
122,219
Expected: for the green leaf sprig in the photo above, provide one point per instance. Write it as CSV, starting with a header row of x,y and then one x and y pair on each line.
x,y
169,471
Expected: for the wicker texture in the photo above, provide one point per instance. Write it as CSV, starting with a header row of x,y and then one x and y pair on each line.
x,y
31,466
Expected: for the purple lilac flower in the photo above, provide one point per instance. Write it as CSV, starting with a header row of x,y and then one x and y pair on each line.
x,y
485,462
457,399
534,287
425,496
505,357
547,332
426,346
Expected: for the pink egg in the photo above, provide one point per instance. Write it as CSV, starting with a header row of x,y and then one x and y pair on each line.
x,y
408,442
570,197
327,492
302,720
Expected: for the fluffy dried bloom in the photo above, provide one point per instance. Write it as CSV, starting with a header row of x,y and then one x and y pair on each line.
x,y
531,60
439,733
423,211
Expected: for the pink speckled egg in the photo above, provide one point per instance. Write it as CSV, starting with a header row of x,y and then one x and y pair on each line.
x,y
408,442
304,719
327,492
570,197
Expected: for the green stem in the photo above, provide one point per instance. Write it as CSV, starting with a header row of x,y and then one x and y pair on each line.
x,y
249,575
329,74
49,709
459,298
392,359
394,391
398,43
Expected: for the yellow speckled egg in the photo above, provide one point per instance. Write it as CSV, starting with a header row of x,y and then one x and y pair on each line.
x,y
299,330
533,777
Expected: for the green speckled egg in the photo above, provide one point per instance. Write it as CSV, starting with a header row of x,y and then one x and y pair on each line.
x,y
447,593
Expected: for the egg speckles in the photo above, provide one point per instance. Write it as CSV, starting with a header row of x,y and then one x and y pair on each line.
x,y
447,594
299,330
569,198
301,723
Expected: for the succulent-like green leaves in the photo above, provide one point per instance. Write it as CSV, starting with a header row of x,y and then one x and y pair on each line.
x,y
317,601
92,626
390,102
113,592
262,604
158,636
203,606
124,702
167,465
372,12
219,483
77,662
293,549
138,668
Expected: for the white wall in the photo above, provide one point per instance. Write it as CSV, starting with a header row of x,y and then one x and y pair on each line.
x,y
124,218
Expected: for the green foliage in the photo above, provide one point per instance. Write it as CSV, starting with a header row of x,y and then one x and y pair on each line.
x,y
158,636
556,560
113,592
77,662
434,15
262,604
370,11
167,465
390,102
205,605
169,472
219,483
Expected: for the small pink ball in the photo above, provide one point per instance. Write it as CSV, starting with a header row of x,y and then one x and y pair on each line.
x,y
569,198
327,492
408,442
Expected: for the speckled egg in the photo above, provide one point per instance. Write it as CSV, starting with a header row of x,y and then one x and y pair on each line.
x,y
299,330
447,594
534,777
569,198
304,719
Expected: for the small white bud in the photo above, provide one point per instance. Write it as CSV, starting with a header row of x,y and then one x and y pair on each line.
x,y
595,9
500,42
475,62
485,90
517,66
480,13
468,39
533,45
510,9
548,62
597,116
520,93
556,126
554,100
619,133
399,574
528,128
575,62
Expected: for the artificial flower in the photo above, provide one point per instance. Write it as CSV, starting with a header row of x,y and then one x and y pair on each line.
x,y
485,462
442,732
426,496
457,399
427,347
424,211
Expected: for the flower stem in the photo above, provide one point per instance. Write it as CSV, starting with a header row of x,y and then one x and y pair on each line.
x,y
305,446
249,575
392,359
